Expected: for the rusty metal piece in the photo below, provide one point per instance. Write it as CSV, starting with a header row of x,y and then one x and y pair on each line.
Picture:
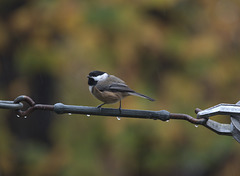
x,y
32,106
188,118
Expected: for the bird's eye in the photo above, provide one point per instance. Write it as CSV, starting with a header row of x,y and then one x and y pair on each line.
x,y
91,82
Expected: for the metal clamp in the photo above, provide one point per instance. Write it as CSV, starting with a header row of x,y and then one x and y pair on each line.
x,y
232,129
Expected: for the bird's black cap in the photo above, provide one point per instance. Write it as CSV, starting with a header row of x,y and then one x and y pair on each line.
x,y
96,73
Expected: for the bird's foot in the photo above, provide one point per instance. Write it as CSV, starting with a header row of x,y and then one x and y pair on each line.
x,y
120,110
100,106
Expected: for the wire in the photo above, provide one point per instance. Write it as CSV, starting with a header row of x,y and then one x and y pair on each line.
x,y
24,106
10,105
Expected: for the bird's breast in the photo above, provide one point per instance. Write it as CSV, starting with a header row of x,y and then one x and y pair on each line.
x,y
107,96
90,88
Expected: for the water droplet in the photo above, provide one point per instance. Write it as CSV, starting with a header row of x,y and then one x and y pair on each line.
x,y
196,126
118,118
25,117
167,120
18,116
69,113
88,115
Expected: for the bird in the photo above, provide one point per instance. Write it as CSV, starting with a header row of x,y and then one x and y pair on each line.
x,y
110,89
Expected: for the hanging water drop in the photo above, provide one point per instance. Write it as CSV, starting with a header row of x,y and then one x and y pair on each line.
x,y
88,115
25,117
69,113
18,116
118,118
167,120
196,126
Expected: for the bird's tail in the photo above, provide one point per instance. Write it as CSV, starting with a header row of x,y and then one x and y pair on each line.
x,y
141,95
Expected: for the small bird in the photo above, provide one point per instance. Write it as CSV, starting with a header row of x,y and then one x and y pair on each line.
x,y
109,88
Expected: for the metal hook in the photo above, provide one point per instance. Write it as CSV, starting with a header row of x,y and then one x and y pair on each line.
x,y
29,101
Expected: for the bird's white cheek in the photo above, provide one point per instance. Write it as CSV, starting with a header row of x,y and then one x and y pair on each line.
x,y
90,88
101,77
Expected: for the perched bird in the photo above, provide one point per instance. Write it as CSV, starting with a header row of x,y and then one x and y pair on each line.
x,y
109,88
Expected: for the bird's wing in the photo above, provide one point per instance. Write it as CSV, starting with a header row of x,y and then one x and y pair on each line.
x,y
113,84
120,87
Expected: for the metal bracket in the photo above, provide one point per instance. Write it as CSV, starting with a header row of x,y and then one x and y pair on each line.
x,y
232,129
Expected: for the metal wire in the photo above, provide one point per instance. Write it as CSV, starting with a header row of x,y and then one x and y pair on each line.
x,y
10,105
24,106
60,108
155,115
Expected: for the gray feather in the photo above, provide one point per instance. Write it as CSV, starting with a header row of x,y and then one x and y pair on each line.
x,y
141,95
115,84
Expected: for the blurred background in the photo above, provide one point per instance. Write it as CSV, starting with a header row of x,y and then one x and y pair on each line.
x,y
183,53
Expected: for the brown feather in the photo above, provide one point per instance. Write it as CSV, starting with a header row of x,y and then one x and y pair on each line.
x,y
107,96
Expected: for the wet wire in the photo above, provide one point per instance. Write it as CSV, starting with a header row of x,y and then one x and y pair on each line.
x,y
24,106
10,105
60,108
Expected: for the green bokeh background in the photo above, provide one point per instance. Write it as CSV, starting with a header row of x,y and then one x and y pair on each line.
x,y
183,53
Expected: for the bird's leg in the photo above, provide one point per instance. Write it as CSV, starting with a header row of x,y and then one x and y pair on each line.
x,y
99,106
120,107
